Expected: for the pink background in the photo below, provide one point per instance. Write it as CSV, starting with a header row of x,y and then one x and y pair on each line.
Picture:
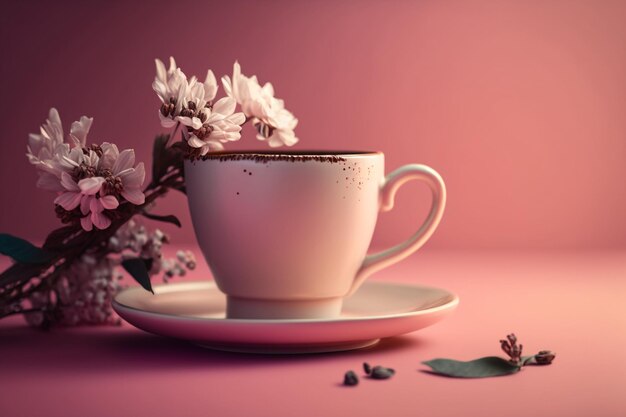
x,y
519,105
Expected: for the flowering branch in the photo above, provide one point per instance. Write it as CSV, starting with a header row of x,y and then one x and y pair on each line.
x,y
99,190
40,283
208,124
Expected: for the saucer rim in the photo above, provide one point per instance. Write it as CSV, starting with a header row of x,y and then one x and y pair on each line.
x,y
451,304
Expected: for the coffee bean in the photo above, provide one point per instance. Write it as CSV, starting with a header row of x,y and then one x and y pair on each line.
x,y
380,372
350,379
367,368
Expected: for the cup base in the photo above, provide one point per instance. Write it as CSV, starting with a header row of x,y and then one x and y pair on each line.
x,y
246,308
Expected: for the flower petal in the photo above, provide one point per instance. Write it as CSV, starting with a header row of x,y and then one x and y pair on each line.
x,y
166,121
172,67
268,89
196,123
236,79
86,224
68,182
210,86
225,106
192,122
125,160
68,200
215,145
194,142
85,204
161,74
80,130
224,136
134,195
227,86
109,202
90,186
95,206
133,178
214,117
53,129
237,118
49,182
100,220
109,155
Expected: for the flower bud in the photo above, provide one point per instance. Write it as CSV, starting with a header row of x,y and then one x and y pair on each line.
x,y
545,357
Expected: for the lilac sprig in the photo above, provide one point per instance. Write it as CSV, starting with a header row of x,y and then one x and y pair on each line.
x,y
511,348
491,366
83,294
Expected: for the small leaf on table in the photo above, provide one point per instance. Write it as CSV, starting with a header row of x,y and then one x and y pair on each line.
x,y
22,250
167,219
139,269
479,368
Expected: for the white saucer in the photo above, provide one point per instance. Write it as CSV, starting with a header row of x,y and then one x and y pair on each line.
x,y
195,311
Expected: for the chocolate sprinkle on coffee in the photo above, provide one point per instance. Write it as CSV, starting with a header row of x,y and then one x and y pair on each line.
x,y
270,157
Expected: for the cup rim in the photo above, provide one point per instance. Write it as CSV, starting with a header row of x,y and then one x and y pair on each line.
x,y
278,155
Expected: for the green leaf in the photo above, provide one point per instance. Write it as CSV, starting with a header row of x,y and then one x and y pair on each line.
x,y
167,219
22,251
479,368
139,269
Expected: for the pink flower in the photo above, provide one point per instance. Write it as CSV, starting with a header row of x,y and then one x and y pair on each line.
x,y
93,207
88,179
76,192
84,194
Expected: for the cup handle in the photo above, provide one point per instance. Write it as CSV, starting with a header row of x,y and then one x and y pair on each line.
x,y
377,261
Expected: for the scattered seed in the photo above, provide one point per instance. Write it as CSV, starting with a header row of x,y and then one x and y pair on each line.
x,y
380,372
350,379
367,368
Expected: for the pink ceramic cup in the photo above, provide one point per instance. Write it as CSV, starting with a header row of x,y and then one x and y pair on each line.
x,y
286,233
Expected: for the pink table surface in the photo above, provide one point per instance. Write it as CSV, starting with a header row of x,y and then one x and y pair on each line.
x,y
572,303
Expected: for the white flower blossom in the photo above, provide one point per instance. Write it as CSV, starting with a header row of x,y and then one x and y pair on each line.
x,y
80,129
190,103
273,122
41,147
